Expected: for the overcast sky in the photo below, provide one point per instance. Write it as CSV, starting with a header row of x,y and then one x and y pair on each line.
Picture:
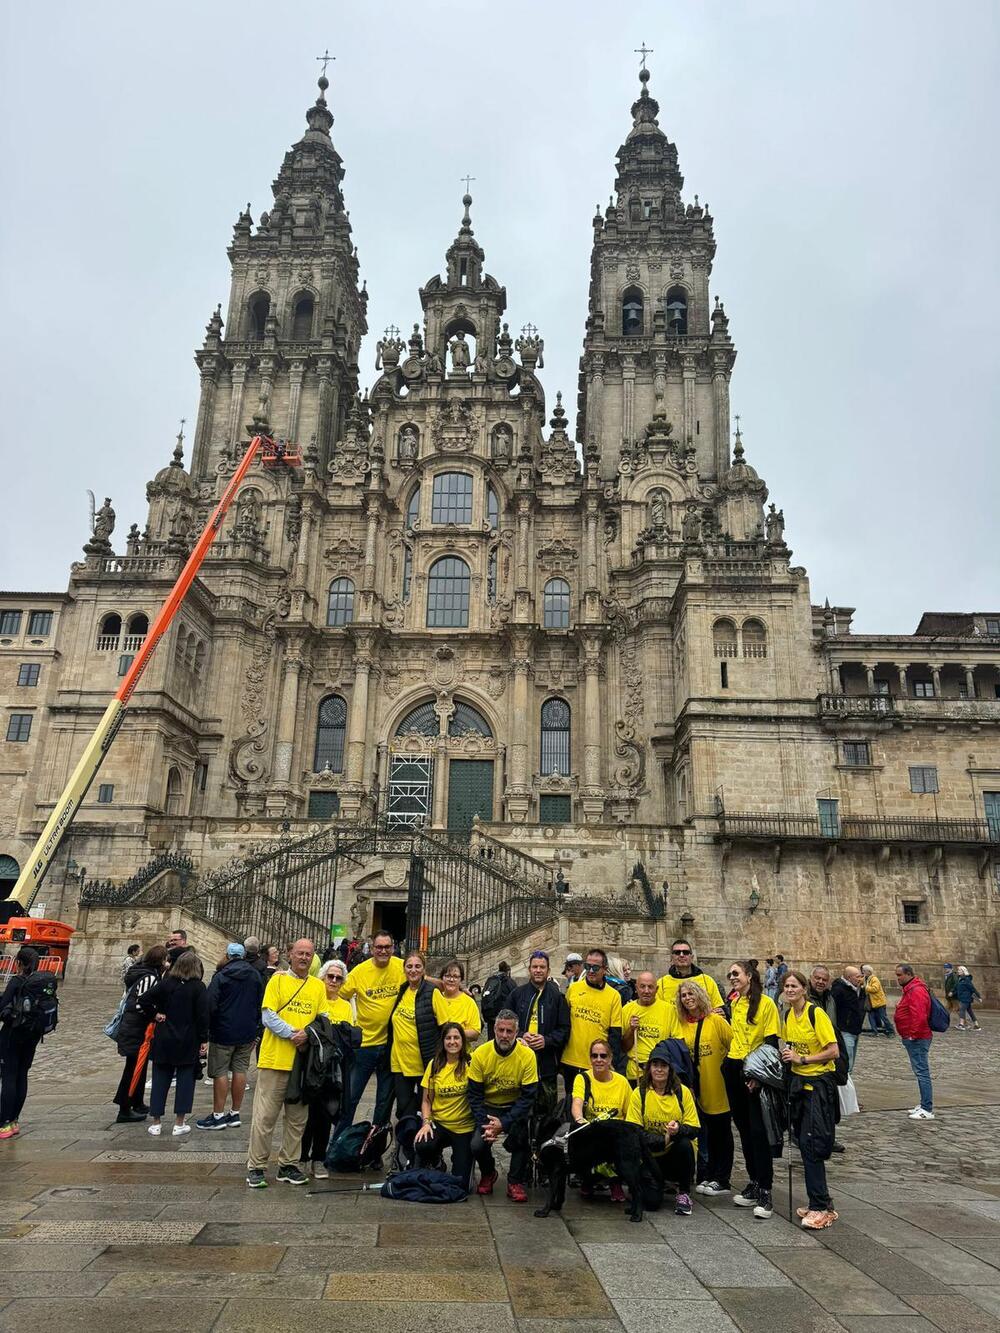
x,y
847,151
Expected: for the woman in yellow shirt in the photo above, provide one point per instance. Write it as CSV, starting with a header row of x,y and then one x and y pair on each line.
x,y
754,1021
809,1047
665,1110
456,1004
413,1034
602,1094
447,1115
316,1137
708,1038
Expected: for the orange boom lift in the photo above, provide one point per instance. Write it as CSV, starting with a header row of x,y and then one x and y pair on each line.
x,y
17,925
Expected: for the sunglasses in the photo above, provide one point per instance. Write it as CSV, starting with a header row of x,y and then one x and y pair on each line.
x,y
733,976
600,1055
594,967
680,952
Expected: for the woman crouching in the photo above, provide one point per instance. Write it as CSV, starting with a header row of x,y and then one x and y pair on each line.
x,y
665,1110
809,1047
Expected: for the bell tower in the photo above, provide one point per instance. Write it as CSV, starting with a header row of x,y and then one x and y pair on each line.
x,y
654,345
296,316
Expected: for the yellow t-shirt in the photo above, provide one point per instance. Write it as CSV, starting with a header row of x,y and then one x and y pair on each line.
x,y
805,1040
533,1015
668,986
503,1076
449,1094
461,1008
298,1012
748,1036
339,1011
593,1012
657,1022
659,1111
716,1036
609,1097
374,990
405,1057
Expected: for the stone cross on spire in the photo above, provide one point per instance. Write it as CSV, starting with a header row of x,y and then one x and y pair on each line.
x,y
643,51
325,59
468,181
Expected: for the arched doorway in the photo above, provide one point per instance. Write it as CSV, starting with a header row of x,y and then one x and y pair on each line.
x,y
9,872
441,767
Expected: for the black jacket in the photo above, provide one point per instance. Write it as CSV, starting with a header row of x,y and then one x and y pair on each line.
x,y
553,1021
850,1006
185,1027
426,1019
138,979
319,1070
814,1114
234,998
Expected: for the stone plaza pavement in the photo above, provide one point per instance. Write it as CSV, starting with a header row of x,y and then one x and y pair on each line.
x,y
102,1227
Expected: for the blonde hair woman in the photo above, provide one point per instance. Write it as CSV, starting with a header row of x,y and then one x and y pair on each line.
x,y
708,1037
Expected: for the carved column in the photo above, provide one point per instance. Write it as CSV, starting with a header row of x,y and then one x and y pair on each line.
x,y
203,426
689,370
287,715
970,681
370,536
869,676
628,398
591,542
903,690
239,378
521,550
595,407
936,678
358,727
518,792
591,796
720,401
295,375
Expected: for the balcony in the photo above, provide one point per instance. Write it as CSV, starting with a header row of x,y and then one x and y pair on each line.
x,y
855,706
896,830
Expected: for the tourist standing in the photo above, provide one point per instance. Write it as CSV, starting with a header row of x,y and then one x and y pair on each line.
x,y
965,993
595,1011
497,991
810,1048
682,968
291,1001
708,1037
849,998
131,1031
912,1020
754,1021
447,1114
543,1019
374,986
572,970
416,1016
20,1032
235,995
950,987
178,1007
457,1005
503,1081
646,1021
319,1124
878,1010
132,955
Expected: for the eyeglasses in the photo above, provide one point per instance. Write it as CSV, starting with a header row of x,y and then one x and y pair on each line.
x,y
680,952
600,1055
733,976
594,967
382,948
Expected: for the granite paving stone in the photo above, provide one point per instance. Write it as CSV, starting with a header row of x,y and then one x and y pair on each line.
x,y
181,1258
984,1207
987,1298
537,1291
116,1233
889,1269
776,1231
983,1249
595,1230
247,1316
727,1263
909,1323
27,1283
834,1284
570,1326
443,1285
391,1234
951,1264
785,1310
268,1287
338,1258
674,1317
951,1220
16,1256
954,1314
643,1272
278,1232
115,1315
98,1210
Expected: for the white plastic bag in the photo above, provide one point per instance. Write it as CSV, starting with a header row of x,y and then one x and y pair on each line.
x,y
848,1099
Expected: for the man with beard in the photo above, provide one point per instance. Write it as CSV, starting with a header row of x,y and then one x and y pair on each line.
x,y
543,1019
503,1081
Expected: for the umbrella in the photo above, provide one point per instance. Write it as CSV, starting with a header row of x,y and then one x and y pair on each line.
x,y
141,1058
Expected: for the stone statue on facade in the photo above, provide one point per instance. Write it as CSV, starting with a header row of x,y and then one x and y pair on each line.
x,y
775,526
691,526
658,510
407,445
459,349
359,915
104,521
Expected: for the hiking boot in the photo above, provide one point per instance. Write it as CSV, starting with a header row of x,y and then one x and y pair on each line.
x,y
213,1122
838,1147
763,1207
683,1205
713,1188
291,1175
256,1178
486,1183
748,1197
517,1193
616,1192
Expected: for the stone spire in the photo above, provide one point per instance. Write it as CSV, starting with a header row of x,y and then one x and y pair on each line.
x,y
647,160
465,255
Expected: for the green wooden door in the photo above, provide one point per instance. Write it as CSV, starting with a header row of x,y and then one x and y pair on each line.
x,y
470,792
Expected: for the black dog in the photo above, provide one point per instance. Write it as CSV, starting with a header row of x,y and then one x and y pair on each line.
x,y
616,1142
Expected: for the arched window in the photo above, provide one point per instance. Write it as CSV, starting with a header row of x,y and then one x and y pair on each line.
x,y
632,312
174,792
302,318
451,499
138,624
331,733
677,311
109,633
340,603
413,508
556,604
448,593
422,720
492,508
199,659
259,309
754,639
724,639
555,737
468,721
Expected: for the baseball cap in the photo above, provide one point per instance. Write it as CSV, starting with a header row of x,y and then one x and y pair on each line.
x,y
572,958
235,951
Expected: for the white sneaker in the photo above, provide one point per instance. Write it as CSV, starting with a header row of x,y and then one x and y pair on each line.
x,y
178,1130
320,1172
154,1130
918,1113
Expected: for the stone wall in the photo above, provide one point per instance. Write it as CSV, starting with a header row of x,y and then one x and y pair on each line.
x,y
104,933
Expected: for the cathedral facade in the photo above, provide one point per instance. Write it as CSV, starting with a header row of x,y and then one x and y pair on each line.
x,y
585,638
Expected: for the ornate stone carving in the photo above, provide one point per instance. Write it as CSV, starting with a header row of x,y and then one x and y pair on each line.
x,y
557,556
452,428
344,552
445,666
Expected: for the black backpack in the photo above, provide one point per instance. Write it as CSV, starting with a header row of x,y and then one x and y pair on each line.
x,y
358,1147
495,993
841,1070
34,1011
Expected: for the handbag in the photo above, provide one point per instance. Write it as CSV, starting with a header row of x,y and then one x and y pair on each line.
x,y
849,1104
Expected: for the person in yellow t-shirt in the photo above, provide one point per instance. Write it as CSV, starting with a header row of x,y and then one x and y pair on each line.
x,y
665,1110
291,1001
699,1022
684,968
503,1082
374,987
447,1115
809,1047
754,1021
413,1030
316,1138
458,1006
646,1020
599,1094
595,1010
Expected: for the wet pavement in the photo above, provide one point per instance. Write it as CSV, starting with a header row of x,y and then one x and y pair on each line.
x,y
103,1226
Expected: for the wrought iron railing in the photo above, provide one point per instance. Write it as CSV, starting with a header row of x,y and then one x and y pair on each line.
x,y
903,828
516,865
103,893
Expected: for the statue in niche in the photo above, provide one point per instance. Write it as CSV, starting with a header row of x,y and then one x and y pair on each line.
x,y
775,526
104,522
691,525
247,526
433,363
482,364
502,446
459,349
359,915
408,440
658,510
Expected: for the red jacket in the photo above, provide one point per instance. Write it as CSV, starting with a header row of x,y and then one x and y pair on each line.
x,y
913,1012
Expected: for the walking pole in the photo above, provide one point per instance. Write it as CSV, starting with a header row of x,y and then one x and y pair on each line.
x,y
788,1115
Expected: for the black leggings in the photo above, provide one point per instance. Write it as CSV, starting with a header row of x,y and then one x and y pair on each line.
x,y
745,1107
429,1150
316,1136
718,1134
408,1094
16,1056
124,1100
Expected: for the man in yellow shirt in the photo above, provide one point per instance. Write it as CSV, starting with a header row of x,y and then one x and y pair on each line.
x,y
595,1011
684,968
374,986
646,1020
291,1001
503,1081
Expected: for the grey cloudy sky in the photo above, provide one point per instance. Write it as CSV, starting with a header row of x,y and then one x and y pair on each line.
x,y
847,151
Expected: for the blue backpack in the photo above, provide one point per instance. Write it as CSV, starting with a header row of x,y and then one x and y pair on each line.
x,y
939,1018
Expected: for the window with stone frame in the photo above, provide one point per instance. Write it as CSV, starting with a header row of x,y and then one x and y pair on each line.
x,y
554,809
451,498
913,913
106,793
323,805
857,754
492,508
724,640
413,508
993,628
754,637
19,727
40,623
28,673
555,738
340,603
448,587
10,622
555,604
923,779
331,735
923,689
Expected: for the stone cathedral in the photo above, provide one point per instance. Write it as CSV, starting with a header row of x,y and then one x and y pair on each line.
x,y
571,631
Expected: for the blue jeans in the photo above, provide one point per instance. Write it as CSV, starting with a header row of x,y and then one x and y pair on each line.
x,y
918,1049
851,1043
878,1021
365,1061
